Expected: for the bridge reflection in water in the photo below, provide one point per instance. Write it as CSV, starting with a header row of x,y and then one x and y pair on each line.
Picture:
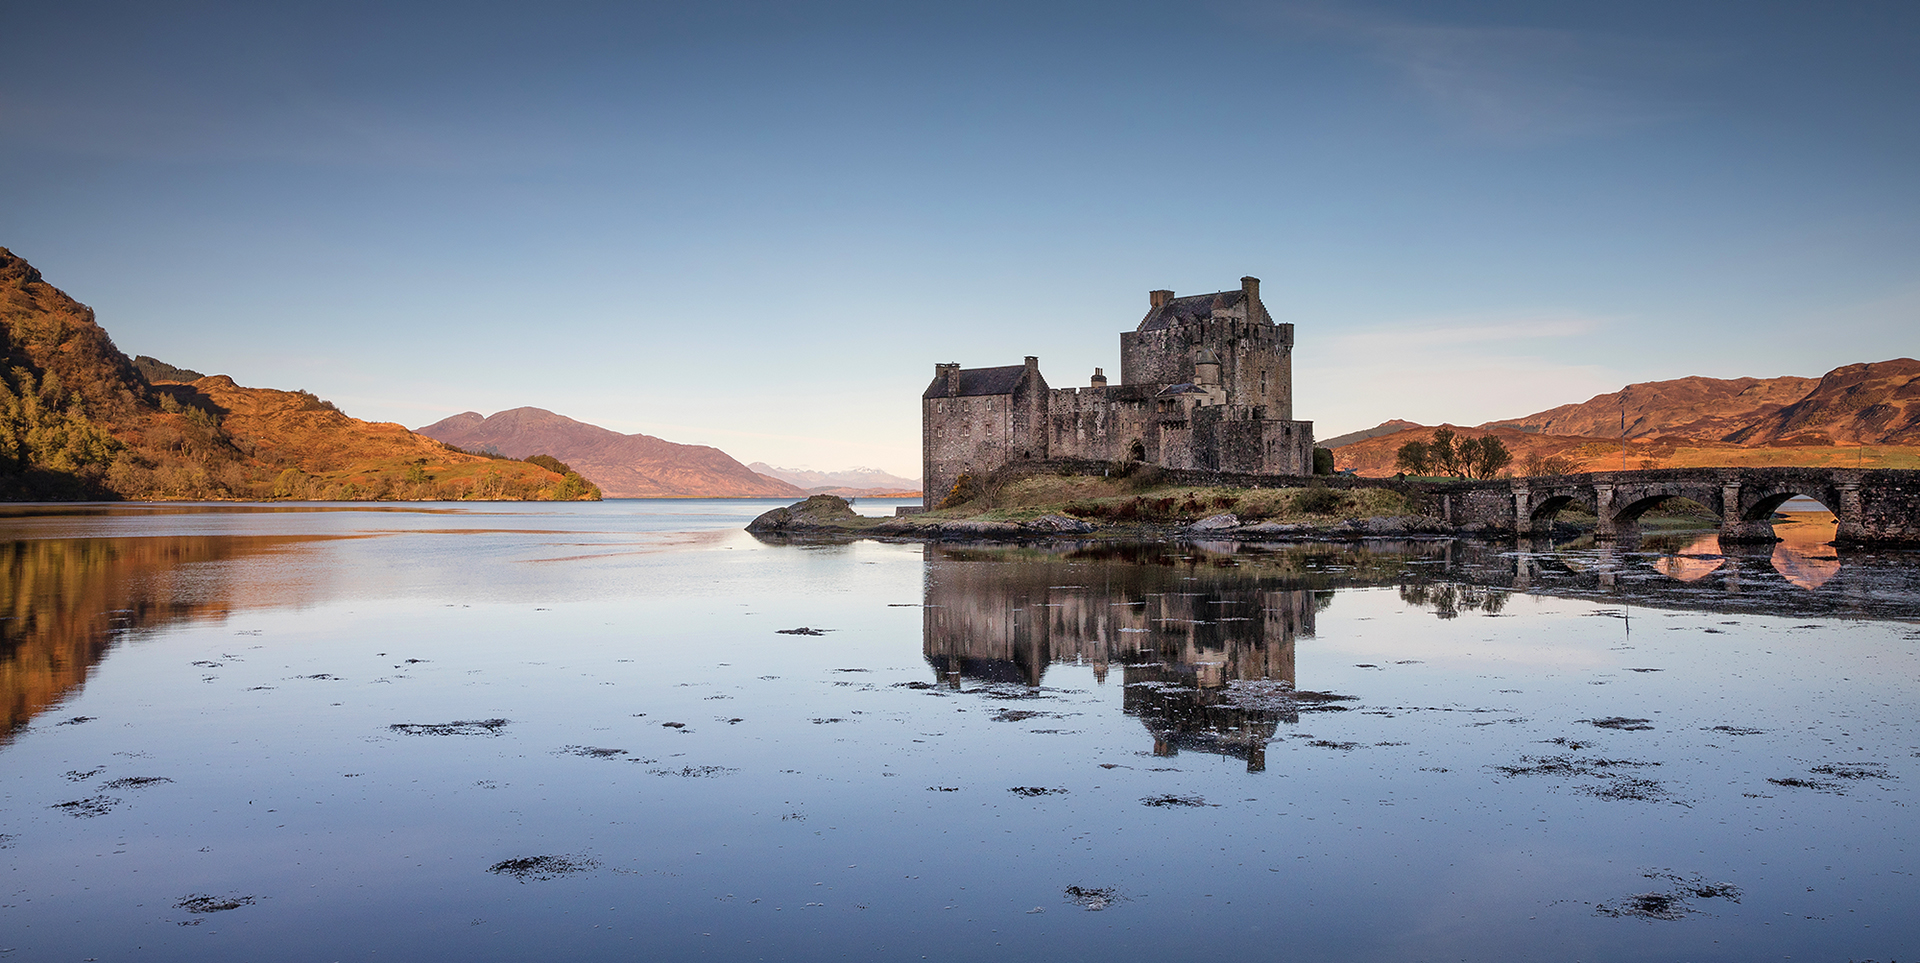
x,y
1804,555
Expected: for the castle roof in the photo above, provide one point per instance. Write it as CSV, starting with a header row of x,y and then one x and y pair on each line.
x,y
1183,388
979,381
1193,307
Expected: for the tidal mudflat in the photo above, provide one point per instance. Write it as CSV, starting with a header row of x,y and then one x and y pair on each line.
x,y
607,731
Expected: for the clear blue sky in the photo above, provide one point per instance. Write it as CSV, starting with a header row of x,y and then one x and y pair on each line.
x,y
758,226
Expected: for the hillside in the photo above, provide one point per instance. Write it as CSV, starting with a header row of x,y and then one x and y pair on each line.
x,y
1351,437
849,483
1859,404
79,420
1701,409
624,466
1861,414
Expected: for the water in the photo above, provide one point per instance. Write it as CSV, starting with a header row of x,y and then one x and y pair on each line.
x,y
580,732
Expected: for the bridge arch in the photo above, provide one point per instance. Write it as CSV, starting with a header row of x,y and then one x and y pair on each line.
x,y
1765,505
1631,512
1549,507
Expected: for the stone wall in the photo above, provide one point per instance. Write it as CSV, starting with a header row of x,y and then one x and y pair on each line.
x,y
960,435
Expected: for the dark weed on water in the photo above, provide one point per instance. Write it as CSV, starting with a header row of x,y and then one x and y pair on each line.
x,y
535,868
473,727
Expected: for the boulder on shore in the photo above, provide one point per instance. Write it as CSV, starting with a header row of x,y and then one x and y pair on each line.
x,y
817,512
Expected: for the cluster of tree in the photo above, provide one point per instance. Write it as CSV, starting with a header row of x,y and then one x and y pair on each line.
x,y
572,484
417,484
153,369
1446,453
49,447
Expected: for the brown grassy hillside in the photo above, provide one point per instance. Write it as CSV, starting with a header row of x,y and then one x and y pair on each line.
x,y
1701,409
1865,415
1859,404
77,420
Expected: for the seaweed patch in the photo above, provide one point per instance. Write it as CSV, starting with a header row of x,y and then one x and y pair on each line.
x,y
469,727
529,868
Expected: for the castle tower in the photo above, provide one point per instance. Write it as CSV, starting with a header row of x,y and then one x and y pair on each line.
x,y
1254,354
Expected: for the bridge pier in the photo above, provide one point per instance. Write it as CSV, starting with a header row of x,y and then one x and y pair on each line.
x,y
1850,517
1522,510
1606,526
1735,527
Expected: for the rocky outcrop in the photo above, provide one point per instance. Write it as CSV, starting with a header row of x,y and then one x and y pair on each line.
x,y
818,514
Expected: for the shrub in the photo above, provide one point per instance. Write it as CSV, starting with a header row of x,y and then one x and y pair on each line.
x,y
1319,500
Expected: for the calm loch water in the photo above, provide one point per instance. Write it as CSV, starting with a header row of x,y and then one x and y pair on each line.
x,y
629,730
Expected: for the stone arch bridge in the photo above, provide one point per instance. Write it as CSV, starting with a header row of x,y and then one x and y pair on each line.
x,y
1872,506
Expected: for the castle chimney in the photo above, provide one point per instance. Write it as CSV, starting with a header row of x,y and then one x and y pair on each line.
x,y
1158,298
1251,287
949,373
1033,363
1099,378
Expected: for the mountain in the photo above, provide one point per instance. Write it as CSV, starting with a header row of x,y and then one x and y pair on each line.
x,y
79,420
1859,404
855,482
1703,409
624,466
1383,428
1858,414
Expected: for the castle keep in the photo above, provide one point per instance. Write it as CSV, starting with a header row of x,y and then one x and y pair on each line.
x,y
1206,381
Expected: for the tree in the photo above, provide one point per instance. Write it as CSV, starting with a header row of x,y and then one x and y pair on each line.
x,y
1483,457
1413,458
1442,456
1323,461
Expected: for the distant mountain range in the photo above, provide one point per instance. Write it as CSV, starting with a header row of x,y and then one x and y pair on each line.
x,y
79,419
624,466
852,482
1864,414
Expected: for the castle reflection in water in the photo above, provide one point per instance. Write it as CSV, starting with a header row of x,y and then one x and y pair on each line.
x,y
1204,642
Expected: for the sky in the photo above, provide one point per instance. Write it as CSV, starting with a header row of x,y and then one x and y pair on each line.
x,y
758,226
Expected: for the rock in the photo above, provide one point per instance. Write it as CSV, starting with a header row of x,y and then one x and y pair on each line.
x,y
817,512
1059,525
1214,523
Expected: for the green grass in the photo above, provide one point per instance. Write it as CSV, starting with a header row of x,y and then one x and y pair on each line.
x,y
1121,501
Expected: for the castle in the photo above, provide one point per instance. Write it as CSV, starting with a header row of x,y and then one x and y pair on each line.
x,y
1206,381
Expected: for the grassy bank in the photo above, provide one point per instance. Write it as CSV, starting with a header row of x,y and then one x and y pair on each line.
x,y
1141,500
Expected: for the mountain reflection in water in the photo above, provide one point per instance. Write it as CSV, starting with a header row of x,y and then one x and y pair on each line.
x,y
68,600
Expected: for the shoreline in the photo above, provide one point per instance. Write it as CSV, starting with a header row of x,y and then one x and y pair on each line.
x,y
830,517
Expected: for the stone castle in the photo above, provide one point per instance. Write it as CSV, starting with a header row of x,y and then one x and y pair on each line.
x,y
1206,381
